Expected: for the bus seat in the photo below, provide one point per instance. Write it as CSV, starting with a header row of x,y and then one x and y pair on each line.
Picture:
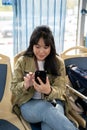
x,y
76,55
8,120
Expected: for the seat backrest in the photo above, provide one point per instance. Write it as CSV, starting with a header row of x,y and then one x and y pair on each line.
x,y
79,57
5,78
18,55
8,120
76,55
81,62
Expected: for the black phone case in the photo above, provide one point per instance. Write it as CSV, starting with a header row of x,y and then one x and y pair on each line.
x,y
41,75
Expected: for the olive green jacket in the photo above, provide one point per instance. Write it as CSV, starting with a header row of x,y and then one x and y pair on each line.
x,y
27,64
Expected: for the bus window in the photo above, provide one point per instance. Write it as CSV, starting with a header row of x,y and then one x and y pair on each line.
x,y
71,23
6,30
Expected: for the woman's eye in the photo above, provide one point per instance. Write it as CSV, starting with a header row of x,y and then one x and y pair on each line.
x,y
37,46
46,47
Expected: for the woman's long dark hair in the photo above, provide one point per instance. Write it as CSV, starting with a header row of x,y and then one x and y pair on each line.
x,y
51,64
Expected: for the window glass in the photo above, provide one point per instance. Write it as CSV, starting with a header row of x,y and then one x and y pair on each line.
x,y
31,13
71,24
6,30
85,29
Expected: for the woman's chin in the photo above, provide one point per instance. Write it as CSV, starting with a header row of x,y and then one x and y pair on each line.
x,y
40,58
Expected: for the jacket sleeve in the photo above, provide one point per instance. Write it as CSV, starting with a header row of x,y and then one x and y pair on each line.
x,y
58,83
17,85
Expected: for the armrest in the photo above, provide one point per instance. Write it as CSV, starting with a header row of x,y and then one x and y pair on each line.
x,y
74,110
76,92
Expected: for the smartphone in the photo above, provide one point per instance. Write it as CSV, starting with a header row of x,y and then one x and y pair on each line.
x,y
42,75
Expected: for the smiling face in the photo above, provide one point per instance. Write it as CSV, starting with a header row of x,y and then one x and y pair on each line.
x,y
40,50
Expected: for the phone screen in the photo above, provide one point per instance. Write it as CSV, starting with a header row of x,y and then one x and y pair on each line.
x,y
41,75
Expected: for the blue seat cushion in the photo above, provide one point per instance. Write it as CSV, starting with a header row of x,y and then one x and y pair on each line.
x,y
6,125
3,75
81,62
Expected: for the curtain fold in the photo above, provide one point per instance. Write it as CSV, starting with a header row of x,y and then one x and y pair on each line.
x,y
27,14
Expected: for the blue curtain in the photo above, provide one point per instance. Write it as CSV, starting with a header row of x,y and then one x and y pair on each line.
x,y
30,13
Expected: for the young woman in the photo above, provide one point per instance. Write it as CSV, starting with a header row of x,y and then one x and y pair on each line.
x,y
43,102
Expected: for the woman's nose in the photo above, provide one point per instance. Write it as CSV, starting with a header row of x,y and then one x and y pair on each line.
x,y
41,50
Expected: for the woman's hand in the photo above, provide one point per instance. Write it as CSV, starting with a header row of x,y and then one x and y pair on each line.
x,y
28,80
42,88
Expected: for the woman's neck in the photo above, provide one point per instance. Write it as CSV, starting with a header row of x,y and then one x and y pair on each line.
x,y
40,65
